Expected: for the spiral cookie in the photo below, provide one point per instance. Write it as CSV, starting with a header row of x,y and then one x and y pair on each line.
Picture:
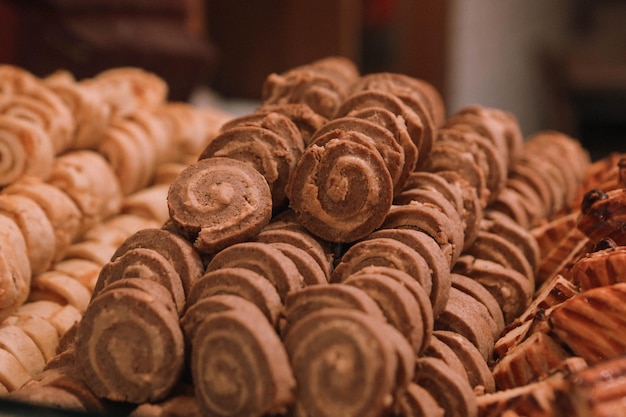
x,y
264,259
322,85
452,393
16,271
404,85
397,126
364,131
425,246
418,402
272,155
380,99
384,252
239,365
142,263
129,345
179,252
25,149
242,282
342,362
512,289
340,191
295,235
305,119
401,308
217,202
318,297
468,317
431,220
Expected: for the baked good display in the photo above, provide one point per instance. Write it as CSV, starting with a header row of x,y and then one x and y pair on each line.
x,y
344,249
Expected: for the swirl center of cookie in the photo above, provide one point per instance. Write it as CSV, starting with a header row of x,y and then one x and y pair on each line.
x,y
338,187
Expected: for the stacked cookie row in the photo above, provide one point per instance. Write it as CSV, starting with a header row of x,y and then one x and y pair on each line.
x,y
63,209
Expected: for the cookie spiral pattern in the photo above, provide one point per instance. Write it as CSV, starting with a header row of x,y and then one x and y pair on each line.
x,y
340,191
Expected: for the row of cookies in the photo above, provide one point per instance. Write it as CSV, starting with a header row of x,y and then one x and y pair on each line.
x,y
122,113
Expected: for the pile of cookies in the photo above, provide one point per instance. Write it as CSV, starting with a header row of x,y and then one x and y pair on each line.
x,y
83,165
348,249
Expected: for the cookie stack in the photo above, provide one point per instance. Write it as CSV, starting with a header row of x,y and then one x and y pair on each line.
x,y
347,249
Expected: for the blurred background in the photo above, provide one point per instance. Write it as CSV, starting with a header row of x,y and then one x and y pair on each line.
x,y
558,64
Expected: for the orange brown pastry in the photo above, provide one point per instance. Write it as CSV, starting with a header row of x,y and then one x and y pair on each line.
x,y
591,323
599,268
130,328
34,226
217,202
27,150
126,89
531,360
242,282
602,215
89,180
597,390
239,365
340,191
60,209
264,259
343,351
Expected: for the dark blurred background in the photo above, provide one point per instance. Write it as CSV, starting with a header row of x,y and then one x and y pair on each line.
x,y
558,64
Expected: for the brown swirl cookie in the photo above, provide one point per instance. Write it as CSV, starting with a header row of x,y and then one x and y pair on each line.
x,y
239,365
217,202
341,191
334,351
126,328
270,154
383,252
264,259
242,282
434,257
